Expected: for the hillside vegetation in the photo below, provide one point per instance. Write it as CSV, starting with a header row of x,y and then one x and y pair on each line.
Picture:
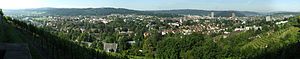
x,y
44,45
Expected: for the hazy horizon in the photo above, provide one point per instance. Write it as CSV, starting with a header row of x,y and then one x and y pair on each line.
x,y
218,5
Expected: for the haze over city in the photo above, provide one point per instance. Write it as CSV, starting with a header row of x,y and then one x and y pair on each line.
x,y
240,5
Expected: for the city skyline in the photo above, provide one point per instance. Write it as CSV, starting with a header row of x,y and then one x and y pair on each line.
x,y
239,5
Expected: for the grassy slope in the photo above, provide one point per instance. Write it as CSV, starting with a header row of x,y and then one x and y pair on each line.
x,y
270,41
281,38
13,33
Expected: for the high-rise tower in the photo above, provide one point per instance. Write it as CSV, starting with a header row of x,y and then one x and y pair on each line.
x,y
232,14
212,14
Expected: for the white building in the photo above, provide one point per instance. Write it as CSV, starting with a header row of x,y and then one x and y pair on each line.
x,y
110,47
238,29
281,22
268,18
212,14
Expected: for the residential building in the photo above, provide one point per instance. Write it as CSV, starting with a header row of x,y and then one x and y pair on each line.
x,y
110,47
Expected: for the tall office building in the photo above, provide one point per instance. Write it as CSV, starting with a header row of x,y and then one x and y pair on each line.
x,y
212,14
233,15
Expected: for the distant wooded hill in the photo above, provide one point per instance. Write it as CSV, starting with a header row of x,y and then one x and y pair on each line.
x,y
286,13
108,11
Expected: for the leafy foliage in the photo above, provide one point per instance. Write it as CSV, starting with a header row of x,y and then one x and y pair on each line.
x,y
59,48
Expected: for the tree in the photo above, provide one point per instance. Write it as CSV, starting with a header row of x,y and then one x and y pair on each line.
x,y
298,19
177,46
1,13
85,37
150,43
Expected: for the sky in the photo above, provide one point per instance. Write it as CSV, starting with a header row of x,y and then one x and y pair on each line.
x,y
240,5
